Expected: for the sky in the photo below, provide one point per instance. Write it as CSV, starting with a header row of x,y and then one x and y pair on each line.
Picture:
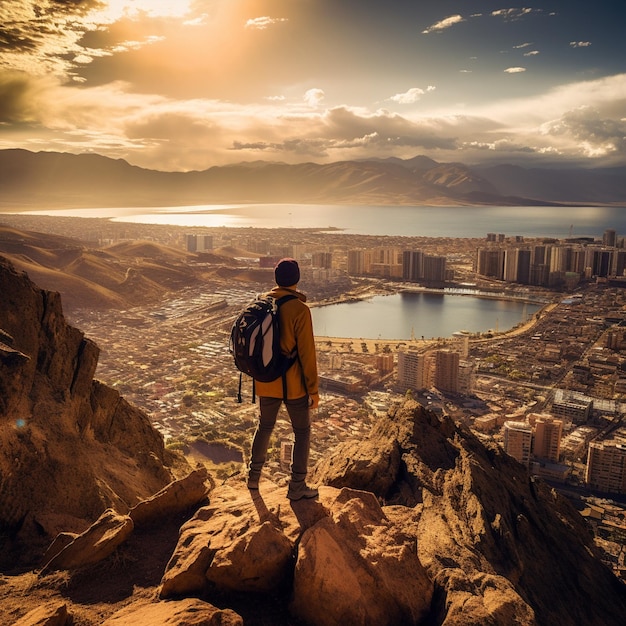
x,y
185,85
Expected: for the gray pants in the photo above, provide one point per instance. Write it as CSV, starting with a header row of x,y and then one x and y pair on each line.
x,y
299,415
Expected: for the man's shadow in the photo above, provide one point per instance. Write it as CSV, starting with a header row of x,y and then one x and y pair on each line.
x,y
308,511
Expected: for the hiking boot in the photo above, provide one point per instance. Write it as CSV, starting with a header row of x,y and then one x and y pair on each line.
x,y
253,480
299,490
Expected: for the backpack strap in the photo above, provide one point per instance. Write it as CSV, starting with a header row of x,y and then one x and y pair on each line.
x,y
280,301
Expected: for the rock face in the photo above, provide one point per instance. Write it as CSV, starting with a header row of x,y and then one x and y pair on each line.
x,y
500,547
70,447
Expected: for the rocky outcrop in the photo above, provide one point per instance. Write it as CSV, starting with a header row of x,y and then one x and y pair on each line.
x,y
337,560
500,547
70,447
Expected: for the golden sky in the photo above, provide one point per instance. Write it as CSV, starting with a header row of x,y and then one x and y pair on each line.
x,y
189,84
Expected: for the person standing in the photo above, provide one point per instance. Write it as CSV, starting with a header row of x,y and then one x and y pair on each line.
x,y
302,385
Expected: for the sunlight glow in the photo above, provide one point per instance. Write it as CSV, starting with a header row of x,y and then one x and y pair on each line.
x,y
117,9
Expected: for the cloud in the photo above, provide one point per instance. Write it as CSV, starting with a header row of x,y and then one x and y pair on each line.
x,y
595,134
532,53
514,70
443,24
514,14
154,131
47,37
261,23
410,96
314,97
20,98
576,122
579,44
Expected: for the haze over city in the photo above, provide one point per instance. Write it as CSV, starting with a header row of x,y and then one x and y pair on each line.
x,y
191,84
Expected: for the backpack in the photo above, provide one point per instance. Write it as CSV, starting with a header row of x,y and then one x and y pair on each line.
x,y
255,343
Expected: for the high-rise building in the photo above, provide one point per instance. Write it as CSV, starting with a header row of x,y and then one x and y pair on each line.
x,y
386,261
447,370
322,259
518,437
609,238
467,377
199,243
434,268
384,363
412,265
358,262
490,262
411,370
286,453
547,441
606,467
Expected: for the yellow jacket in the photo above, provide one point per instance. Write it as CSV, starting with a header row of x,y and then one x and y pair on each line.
x,y
296,332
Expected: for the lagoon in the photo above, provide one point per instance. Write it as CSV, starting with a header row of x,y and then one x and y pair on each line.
x,y
422,315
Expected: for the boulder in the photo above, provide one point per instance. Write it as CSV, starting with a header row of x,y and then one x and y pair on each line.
x,y
95,544
187,612
53,614
233,545
355,568
177,497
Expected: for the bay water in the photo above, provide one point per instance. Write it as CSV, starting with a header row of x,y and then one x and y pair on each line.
x,y
411,221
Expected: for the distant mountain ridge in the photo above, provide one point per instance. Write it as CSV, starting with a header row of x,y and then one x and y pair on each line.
x,y
52,179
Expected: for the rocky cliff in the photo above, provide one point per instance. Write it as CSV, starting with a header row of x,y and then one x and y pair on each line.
x,y
69,446
501,547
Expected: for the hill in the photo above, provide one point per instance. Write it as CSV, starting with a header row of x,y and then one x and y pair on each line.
x,y
48,179
113,277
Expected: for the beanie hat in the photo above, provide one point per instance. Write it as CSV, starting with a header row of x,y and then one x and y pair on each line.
x,y
287,272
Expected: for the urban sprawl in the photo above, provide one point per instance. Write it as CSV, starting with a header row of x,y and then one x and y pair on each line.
x,y
551,391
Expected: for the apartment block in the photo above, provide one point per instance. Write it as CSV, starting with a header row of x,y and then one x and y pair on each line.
x,y
606,467
322,260
199,243
412,265
518,437
572,410
446,376
466,377
547,440
411,370
434,268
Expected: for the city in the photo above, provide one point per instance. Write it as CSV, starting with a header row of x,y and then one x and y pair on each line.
x,y
551,391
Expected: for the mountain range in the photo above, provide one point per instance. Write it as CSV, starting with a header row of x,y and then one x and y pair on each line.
x,y
62,180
